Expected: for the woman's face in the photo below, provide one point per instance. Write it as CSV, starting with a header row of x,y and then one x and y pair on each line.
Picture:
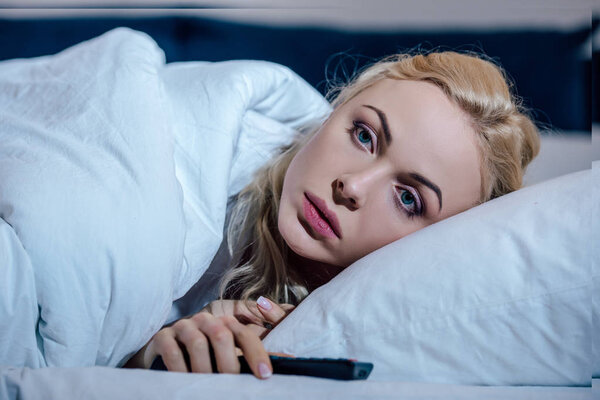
x,y
397,157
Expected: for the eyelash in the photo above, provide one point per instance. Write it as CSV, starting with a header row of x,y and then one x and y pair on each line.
x,y
353,131
356,127
418,204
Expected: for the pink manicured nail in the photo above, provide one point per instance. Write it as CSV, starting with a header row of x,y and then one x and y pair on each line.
x,y
264,303
264,371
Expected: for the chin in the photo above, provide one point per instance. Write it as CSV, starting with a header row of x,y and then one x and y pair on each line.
x,y
297,239
300,242
308,248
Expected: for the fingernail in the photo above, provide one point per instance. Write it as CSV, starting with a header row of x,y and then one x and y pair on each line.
x,y
264,303
264,371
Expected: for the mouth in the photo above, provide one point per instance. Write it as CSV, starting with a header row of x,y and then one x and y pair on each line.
x,y
320,218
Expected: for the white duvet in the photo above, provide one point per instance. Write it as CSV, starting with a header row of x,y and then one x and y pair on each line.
x,y
115,170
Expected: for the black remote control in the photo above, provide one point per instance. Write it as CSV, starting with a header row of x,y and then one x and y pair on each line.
x,y
340,368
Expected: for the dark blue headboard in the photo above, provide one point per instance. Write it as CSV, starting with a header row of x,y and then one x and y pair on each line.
x,y
549,67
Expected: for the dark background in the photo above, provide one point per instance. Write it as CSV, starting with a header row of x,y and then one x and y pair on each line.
x,y
550,68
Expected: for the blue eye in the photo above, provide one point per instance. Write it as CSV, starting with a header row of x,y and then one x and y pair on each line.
x,y
364,137
409,202
407,198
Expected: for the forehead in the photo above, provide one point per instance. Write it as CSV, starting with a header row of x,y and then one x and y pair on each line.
x,y
431,135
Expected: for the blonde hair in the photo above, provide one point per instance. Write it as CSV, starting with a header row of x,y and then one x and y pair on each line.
x,y
507,138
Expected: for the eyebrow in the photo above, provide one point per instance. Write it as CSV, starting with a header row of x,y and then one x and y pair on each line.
x,y
383,118
420,178
388,139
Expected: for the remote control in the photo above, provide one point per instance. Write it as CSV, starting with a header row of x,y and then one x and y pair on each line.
x,y
340,368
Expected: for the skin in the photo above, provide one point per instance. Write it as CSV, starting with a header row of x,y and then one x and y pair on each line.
x,y
371,188
229,327
347,165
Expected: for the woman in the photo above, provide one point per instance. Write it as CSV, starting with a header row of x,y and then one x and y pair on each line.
x,y
412,140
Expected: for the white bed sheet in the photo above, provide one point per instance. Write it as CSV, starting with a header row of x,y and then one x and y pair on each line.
x,y
110,383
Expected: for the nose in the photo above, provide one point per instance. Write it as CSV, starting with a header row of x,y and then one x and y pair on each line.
x,y
352,189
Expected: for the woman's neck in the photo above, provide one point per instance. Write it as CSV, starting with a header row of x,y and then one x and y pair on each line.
x,y
313,273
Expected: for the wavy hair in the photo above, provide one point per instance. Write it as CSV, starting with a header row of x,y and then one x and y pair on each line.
x,y
507,138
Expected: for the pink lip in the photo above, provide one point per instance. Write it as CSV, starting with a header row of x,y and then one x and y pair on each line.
x,y
320,217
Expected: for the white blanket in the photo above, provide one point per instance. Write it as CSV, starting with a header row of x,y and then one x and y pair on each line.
x,y
115,170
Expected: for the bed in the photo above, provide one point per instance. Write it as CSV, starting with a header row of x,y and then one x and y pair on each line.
x,y
108,383
512,320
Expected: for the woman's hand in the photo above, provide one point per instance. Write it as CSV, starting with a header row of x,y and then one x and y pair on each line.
x,y
218,327
197,335
261,316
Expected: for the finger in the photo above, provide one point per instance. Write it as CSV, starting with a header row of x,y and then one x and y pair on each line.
x,y
254,351
166,346
271,311
288,308
259,330
246,311
220,307
222,341
197,347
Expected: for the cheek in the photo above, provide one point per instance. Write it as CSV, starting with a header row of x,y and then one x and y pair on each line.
x,y
296,179
299,169
289,227
286,222
314,167
285,216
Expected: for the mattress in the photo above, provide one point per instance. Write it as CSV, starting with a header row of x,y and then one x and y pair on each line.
x,y
109,383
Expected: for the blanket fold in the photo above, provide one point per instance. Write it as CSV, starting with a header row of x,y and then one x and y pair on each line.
x,y
115,169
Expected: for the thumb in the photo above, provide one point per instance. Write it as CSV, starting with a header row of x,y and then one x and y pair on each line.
x,y
273,312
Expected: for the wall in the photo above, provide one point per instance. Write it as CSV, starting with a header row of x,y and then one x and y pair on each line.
x,y
343,14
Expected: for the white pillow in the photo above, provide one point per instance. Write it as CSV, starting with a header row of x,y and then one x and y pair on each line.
x,y
497,295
